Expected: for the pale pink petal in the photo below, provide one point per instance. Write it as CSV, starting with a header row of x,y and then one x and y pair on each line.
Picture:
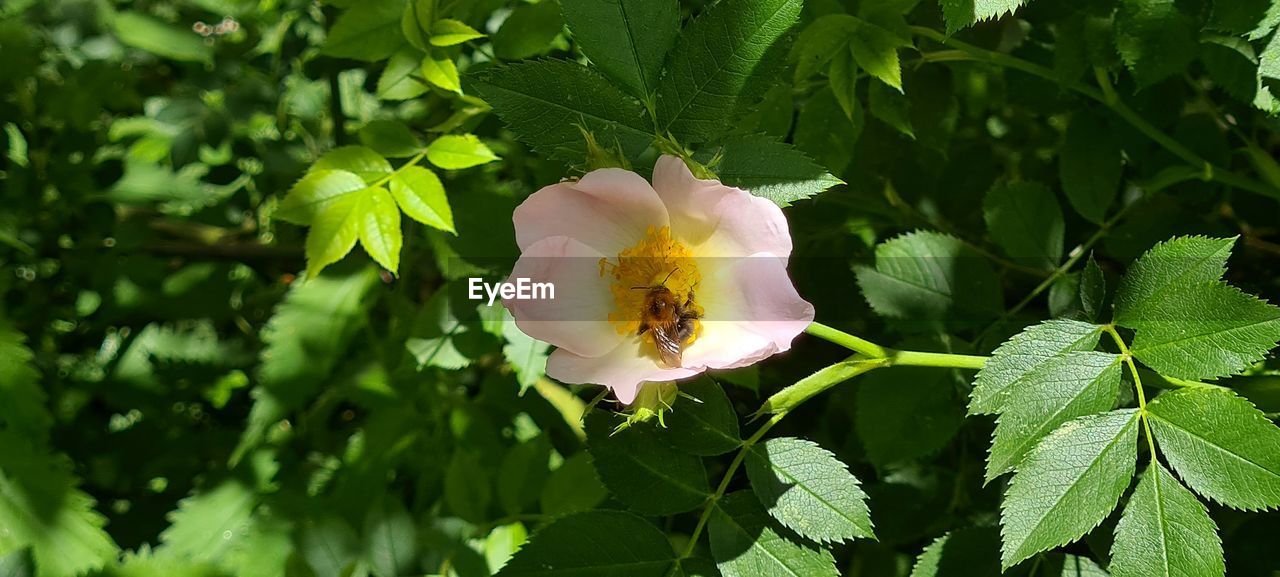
x,y
608,209
751,311
727,345
623,369
725,221
577,319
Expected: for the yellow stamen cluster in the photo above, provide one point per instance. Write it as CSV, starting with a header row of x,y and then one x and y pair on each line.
x,y
656,257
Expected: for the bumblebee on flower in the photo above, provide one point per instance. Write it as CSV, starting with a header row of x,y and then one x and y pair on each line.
x,y
655,282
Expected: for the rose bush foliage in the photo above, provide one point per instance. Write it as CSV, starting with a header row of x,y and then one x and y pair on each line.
x,y
1038,238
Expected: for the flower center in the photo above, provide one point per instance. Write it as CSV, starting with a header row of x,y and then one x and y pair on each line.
x,y
656,261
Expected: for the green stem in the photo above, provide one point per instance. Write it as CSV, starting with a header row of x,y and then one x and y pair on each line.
x,y
1137,385
846,340
724,482
884,356
412,162
1107,97
941,360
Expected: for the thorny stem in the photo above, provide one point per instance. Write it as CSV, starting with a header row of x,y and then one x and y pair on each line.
x,y
1105,95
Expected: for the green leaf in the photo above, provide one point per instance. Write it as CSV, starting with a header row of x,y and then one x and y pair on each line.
x,y
906,414
397,81
141,31
1165,531
459,151
144,563
22,399
1077,566
627,40
1241,17
1168,267
1090,165
1025,220
1155,39
334,232
843,78
421,196
596,543
642,471
449,32
1020,356
370,31
526,355
390,538
468,487
329,546
822,131
876,50
1093,290
1054,392
502,543
1232,64
302,343
963,13
440,70
1221,446
808,490
207,526
528,31
360,160
1068,484
415,24
927,277
572,488
716,62
315,192
769,169
379,228
891,107
541,101
522,474
390,138
434,337
745,543
1207,330
821,41
42,509
961,553
702,420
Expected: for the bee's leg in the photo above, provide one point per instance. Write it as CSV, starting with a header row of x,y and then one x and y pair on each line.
x,y
644,328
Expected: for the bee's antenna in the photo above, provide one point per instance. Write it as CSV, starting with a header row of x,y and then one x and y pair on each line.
x,y
663,283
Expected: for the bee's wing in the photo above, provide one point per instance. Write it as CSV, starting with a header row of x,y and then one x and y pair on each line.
x,y
668,343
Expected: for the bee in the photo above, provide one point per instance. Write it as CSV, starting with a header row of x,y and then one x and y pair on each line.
x,y
670,321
